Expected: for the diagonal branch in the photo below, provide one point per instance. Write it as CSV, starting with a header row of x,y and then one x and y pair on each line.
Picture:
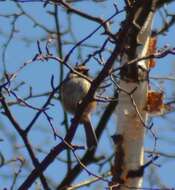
x,y
22,134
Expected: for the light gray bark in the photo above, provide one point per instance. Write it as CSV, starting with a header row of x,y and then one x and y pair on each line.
x,y
131,117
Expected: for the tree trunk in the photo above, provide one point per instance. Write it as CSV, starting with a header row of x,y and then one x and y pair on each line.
x,y
131,115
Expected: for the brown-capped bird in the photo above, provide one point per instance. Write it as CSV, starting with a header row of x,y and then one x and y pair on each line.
x,y
73,89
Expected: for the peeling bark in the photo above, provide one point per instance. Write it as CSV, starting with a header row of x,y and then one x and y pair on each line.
x,y
131,115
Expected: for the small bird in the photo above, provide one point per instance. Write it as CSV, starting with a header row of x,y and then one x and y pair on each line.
x,y
73,89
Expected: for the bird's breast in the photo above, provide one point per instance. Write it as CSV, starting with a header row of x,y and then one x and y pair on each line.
x,y
72,92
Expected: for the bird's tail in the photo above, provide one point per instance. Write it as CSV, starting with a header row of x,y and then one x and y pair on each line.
x,y
91,138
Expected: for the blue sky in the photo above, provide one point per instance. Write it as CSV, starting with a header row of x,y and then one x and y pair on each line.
x,y
38,75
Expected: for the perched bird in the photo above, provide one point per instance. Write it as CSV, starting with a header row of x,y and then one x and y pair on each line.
x,y
73,89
